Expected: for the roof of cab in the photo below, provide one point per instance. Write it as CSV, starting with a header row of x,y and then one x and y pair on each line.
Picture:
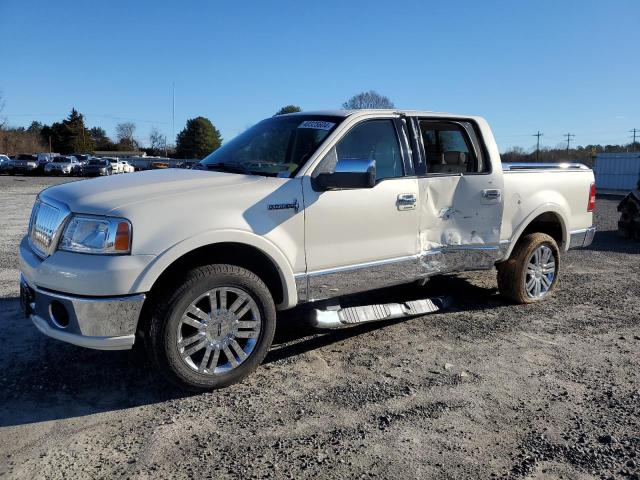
x,y
347,113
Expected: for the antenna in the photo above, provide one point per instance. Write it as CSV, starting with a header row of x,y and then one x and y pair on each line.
x,y
173,112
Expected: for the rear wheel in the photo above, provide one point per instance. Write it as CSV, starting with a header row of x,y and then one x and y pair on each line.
x,y
214,329
531,272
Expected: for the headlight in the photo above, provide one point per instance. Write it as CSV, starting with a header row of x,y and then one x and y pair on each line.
x,y
97,235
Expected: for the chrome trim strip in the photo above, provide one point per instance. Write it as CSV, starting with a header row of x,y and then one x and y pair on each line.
x,y
302,286
329,271
345,280
334,282
581,238
562,167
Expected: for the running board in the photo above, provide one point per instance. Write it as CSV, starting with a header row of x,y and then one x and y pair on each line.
x,y
347,317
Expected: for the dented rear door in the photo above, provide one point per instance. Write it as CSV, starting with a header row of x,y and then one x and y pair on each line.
x,y
461,196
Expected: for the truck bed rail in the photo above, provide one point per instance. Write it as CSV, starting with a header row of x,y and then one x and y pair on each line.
x,y
565,166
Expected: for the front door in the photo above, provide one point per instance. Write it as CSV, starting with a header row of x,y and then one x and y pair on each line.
x,y
365,238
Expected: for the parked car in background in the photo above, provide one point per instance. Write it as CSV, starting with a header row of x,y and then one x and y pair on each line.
x,y
97,167
63,165
83,158
159,164
127,167
25,163
5,164
43,160
116,165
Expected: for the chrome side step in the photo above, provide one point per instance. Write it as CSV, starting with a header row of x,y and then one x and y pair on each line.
x,y
347,317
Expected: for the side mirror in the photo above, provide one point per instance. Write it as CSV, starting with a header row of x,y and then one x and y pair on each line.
x,y
350,173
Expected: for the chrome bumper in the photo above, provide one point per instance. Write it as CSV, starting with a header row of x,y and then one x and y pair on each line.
x,y
581,238
107,323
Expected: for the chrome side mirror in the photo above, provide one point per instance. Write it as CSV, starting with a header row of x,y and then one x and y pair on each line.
x,y
350,173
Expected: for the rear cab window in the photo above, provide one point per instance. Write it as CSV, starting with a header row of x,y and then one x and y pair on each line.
x,y
449,147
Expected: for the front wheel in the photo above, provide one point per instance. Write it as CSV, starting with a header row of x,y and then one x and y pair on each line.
x,y
531,272
214,329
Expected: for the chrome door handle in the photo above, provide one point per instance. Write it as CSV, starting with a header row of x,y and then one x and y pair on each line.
x,y
491,194
406,201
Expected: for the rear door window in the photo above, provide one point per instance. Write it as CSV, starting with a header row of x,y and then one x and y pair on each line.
x,y
448,148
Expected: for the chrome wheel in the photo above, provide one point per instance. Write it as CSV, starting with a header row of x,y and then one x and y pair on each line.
x,y
541,271
219,330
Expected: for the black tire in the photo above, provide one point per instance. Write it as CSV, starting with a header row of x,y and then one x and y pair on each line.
x,y
166,316
512,272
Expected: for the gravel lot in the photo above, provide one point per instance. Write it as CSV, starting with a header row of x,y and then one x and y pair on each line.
x,y
483,390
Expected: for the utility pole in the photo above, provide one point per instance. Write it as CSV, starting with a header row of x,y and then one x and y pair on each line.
x,y
538,134
569,137
173,112
633,145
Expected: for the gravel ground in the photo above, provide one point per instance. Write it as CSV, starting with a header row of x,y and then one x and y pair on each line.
x,y
483,390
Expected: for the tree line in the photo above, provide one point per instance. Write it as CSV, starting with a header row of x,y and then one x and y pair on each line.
x,y
198,138
581,154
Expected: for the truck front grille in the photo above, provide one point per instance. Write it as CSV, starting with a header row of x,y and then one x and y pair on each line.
x,y
45,222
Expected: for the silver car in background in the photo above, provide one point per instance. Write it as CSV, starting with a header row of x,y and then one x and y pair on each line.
x,y
63,165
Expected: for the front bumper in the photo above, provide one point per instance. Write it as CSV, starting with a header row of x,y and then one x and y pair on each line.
x,y
103,323
582,238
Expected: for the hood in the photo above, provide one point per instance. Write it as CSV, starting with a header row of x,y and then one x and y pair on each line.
x,y
101,196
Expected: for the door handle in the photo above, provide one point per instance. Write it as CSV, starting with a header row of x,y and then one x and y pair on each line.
x,y
491,194
406,201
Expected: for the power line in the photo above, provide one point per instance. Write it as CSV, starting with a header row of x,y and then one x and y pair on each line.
x,y
569,137
538,134
633,145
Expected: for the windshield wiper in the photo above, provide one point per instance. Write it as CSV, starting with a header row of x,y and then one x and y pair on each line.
x,y
229,167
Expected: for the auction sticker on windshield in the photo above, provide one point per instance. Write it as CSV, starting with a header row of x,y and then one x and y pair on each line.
x,y
317,124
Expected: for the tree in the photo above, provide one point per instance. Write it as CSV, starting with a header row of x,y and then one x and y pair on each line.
x,y
70,135
198,139
100,138
35,127
370,99
288,109
157,141
124,133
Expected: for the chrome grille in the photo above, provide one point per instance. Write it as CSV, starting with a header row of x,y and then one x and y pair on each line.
x,y
45,222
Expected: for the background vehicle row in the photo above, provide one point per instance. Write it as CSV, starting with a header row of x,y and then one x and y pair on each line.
x,y
55,164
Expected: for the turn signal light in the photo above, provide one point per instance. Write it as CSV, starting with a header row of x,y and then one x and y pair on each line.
x,y
123,239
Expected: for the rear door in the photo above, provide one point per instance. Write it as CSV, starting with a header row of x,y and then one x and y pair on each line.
x,y
361,239
461,197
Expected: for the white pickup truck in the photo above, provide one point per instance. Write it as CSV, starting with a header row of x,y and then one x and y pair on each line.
x,y
299,208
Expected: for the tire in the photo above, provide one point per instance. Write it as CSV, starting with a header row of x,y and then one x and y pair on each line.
x,y
514,275
189,300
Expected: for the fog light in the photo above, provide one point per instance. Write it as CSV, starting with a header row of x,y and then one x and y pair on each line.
x,y
59,315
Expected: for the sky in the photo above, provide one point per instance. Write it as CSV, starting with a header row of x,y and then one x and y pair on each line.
x,y
549,65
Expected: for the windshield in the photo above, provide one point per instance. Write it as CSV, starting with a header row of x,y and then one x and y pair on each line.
x,y
278,146
62,160
96,162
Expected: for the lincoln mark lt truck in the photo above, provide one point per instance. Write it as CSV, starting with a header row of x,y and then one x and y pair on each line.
x,y
300,208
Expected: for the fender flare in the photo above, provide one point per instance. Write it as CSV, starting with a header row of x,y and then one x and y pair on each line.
x,y
542,209
154,269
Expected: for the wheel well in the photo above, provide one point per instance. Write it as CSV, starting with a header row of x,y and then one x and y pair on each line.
x,y
549,223
239,254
